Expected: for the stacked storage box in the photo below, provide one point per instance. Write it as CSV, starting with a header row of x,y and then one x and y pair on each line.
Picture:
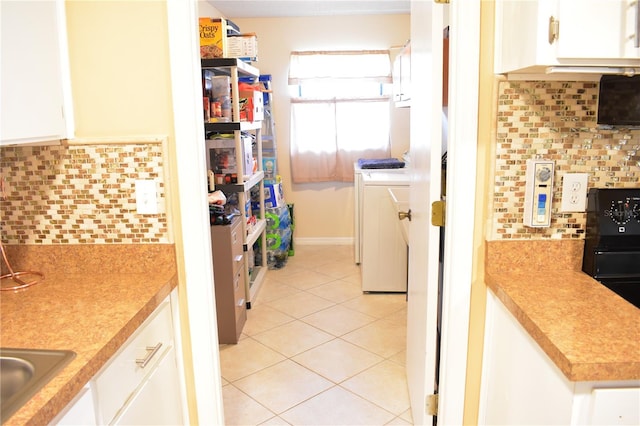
x,y
269,160
278,236
279,227
269,148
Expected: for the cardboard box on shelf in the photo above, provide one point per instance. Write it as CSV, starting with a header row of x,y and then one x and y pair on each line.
x,y
244,46
251,105
273,195
269,165
213,38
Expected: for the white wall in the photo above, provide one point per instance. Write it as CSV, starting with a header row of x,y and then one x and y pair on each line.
x,y
322,211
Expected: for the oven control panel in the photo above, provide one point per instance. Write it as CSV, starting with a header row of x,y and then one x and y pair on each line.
x,y
624,211
614,211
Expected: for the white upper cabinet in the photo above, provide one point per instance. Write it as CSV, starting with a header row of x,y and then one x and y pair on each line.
x,y
34,74
532,35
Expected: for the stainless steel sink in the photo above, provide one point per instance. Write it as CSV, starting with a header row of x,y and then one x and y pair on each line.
x,y
23,372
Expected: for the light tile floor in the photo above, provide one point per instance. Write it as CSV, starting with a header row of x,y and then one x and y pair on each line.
x,y
317,351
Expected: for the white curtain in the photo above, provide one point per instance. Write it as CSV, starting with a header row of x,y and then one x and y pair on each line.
x,y
330,133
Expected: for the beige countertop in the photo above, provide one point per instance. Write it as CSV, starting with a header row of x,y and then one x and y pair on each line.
x,y
92,312
588,331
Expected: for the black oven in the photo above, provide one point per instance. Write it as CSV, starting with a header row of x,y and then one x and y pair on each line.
x,y
612,240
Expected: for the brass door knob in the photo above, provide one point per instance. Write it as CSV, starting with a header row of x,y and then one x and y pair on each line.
x,y
405,215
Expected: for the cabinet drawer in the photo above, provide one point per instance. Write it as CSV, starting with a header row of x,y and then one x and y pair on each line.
x,y
238,263
237,248
239,296
157,401
117,380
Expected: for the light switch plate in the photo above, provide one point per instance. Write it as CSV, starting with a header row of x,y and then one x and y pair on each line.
x,y
146,197
574,192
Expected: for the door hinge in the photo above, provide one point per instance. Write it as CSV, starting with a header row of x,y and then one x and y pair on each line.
x,y
554,29
431,405
438,209
441,1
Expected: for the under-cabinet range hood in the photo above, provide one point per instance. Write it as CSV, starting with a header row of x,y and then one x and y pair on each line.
x,y
599,70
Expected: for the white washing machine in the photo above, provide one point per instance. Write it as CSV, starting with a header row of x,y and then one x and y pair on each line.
x,y
383,249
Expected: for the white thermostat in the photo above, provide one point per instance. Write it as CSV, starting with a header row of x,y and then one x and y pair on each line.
x,y
538,193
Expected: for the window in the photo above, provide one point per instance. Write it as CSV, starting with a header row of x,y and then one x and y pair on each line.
x,y
340,105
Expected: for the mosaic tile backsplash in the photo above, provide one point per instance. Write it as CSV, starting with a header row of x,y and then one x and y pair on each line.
x,y
80,194
555,120
85,195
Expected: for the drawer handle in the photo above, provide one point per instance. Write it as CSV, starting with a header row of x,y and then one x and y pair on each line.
x,y
239,258
152,350
240,302
637,42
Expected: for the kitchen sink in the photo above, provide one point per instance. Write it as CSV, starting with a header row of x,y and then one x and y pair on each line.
x,y
23,372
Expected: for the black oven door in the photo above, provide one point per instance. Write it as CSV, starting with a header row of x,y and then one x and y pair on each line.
x,y
616,264
620,272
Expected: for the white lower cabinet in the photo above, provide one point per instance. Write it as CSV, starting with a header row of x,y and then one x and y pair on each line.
x,y
140,384
522,386
157,400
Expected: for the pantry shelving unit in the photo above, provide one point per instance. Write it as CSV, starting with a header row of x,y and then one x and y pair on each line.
x,y
236,68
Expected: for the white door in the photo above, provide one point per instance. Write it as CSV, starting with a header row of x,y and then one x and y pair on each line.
x,y
194,240
427,22
426,136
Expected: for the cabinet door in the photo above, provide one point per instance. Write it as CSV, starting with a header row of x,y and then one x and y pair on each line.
x,y
81,411
402,77
31,72
396,78
405,74
158,401
597,29
384,251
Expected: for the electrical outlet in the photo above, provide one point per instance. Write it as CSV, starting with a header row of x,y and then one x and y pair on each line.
x,y
574,192
146,197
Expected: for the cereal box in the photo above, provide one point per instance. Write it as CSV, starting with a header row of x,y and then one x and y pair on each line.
x,y
213,38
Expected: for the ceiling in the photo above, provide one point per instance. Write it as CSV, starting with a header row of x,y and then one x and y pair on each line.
x,y
279,8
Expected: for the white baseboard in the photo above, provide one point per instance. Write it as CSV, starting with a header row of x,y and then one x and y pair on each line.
x,y
324,241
